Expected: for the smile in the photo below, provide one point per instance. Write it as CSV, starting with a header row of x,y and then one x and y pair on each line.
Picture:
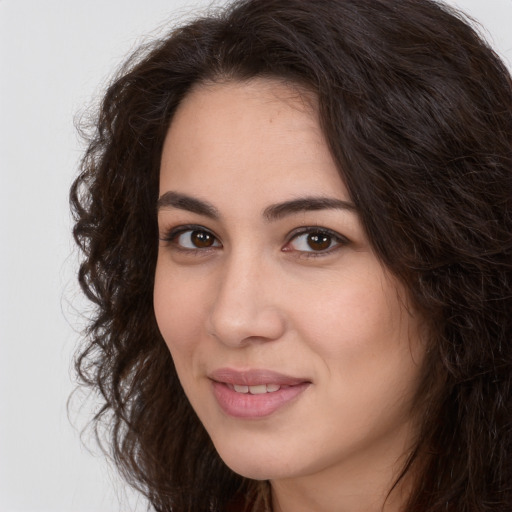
x,y
255,390
255,394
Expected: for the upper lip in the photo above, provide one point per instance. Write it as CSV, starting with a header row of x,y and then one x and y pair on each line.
x,y
254,377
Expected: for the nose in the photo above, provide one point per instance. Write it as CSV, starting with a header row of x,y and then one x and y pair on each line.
x,y
246,307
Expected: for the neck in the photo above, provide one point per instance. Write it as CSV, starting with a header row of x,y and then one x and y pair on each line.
x,y
304,498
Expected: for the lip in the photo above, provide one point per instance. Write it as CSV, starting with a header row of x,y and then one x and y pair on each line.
x,y
254,377
249,406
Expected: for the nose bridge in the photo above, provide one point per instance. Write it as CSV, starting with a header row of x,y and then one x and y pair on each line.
x,y
245,306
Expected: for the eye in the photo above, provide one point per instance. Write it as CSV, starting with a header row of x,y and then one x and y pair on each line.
x,y
315,240
192,239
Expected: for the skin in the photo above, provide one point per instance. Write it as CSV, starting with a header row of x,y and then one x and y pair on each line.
x,y
262,296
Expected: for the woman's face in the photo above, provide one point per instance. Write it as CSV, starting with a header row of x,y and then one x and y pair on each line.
x,y
293,344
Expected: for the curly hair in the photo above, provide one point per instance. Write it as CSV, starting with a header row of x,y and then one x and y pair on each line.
x,y
417,112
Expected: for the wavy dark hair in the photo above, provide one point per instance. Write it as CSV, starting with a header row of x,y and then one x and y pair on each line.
x,y
417,111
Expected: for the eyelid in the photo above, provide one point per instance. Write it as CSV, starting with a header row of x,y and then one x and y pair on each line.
x,y
169,235
306,230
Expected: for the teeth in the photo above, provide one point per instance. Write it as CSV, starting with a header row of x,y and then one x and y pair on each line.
x,y
257,390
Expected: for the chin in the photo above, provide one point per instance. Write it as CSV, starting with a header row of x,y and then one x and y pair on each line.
x,y
252,471
249,465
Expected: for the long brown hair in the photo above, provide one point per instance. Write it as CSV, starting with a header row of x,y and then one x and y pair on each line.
x,y
417,111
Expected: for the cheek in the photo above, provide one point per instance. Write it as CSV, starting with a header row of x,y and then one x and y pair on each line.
x,y
178,311
363,334
353,317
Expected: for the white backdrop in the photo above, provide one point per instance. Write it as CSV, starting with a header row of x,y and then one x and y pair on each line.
x,y
54,57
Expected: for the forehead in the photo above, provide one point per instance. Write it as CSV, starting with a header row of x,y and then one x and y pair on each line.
x,y
259,135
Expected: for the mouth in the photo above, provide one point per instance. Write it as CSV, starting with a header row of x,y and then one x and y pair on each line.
x,y
255,394
255,390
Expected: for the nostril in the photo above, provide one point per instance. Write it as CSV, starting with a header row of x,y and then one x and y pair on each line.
x,y
245,308
237,328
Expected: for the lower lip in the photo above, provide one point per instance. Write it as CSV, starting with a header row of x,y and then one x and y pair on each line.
x,y
245,405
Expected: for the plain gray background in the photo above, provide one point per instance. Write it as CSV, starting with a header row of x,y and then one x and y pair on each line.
x,y
55,55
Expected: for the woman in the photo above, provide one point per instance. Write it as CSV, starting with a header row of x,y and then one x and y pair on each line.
x,y
296,222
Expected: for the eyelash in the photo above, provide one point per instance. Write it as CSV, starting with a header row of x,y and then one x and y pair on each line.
x,y
336,241
173,234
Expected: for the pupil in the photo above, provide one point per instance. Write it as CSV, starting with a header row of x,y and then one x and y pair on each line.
x,y
202,239
319,241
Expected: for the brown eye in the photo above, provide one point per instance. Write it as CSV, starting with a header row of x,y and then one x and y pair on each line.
x,y
202,239
314,240
193,239
319,241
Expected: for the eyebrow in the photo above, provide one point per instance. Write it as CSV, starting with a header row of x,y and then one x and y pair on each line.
x,y
191,204
273,212
306,204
